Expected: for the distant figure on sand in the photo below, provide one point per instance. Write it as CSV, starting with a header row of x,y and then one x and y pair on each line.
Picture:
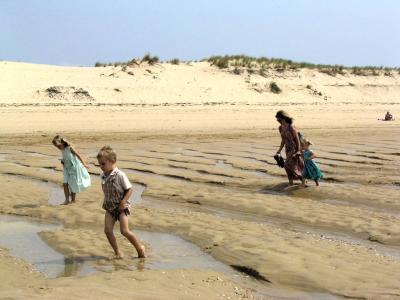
x,y
290,140
389,117
117,191
76,177
311,169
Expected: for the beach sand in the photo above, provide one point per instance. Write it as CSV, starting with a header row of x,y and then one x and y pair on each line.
x,y
202,142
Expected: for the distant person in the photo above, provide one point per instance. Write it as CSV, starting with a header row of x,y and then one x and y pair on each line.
x,y
388,117
290,140
117,191
311,169
76,177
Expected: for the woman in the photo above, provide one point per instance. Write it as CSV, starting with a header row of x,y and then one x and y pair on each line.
x,y
290,139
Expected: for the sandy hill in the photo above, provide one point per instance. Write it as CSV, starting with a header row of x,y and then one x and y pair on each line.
x,y
194,83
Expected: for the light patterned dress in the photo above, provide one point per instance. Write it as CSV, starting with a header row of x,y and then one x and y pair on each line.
x,y
75,174
293,165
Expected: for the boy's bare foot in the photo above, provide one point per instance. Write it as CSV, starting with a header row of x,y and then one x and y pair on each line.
x,y
142,252
119,255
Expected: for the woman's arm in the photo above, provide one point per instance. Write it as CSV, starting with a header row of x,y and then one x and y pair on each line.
x,y
73,151
296,139
281,147
282,142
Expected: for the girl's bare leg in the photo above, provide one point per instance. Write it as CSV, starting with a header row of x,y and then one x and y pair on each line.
x,y
124,227
316,182
66,193
303,182
73,195
109,231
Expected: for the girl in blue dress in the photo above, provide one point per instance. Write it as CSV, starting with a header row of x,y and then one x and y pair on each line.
x,y
76,177
311,169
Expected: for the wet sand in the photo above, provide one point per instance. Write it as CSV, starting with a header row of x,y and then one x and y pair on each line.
x,y
341,238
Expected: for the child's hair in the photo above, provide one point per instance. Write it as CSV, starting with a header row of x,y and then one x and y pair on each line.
x,y
107,153
58,139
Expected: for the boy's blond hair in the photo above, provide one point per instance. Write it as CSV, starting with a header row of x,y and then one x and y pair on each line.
x,y
107,153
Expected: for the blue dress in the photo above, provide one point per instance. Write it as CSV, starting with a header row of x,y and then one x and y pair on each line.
x,y
311,169
75,174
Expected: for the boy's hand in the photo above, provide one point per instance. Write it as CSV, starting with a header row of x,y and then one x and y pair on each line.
x,y
122,206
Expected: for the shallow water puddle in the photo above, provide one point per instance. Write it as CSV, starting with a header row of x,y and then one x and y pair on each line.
x,y
20,236
56,192
166,251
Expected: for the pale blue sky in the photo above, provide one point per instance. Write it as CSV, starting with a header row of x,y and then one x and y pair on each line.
x,y
81,32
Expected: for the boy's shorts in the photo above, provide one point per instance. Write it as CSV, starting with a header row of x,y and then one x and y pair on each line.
x,y
115,213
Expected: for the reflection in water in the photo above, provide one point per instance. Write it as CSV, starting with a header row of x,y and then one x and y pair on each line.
x,y
78,266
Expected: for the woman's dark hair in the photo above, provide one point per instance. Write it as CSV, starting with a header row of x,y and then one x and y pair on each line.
x,y
281,114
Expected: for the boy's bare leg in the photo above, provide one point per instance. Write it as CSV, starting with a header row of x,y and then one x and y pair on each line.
x,y
123,221
66,193
109,231
73,195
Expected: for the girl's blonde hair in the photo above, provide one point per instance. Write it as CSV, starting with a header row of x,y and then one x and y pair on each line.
x,y
107,153
58,139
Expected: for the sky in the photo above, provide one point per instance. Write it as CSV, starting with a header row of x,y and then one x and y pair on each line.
x,y
82,32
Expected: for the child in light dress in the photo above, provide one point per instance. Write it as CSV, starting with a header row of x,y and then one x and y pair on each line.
x,y
117,191
76,177
311,169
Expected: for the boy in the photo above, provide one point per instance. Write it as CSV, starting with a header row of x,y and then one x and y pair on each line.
x,y
117,191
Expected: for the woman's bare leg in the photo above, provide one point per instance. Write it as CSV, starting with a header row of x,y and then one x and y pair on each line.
x,y
109,231
66,193
124,227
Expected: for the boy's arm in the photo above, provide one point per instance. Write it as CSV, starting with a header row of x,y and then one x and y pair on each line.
x,y
124,201
128,191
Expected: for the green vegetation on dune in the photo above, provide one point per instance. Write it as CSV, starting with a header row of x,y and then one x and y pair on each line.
x,y
281,65
238,64
151,60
